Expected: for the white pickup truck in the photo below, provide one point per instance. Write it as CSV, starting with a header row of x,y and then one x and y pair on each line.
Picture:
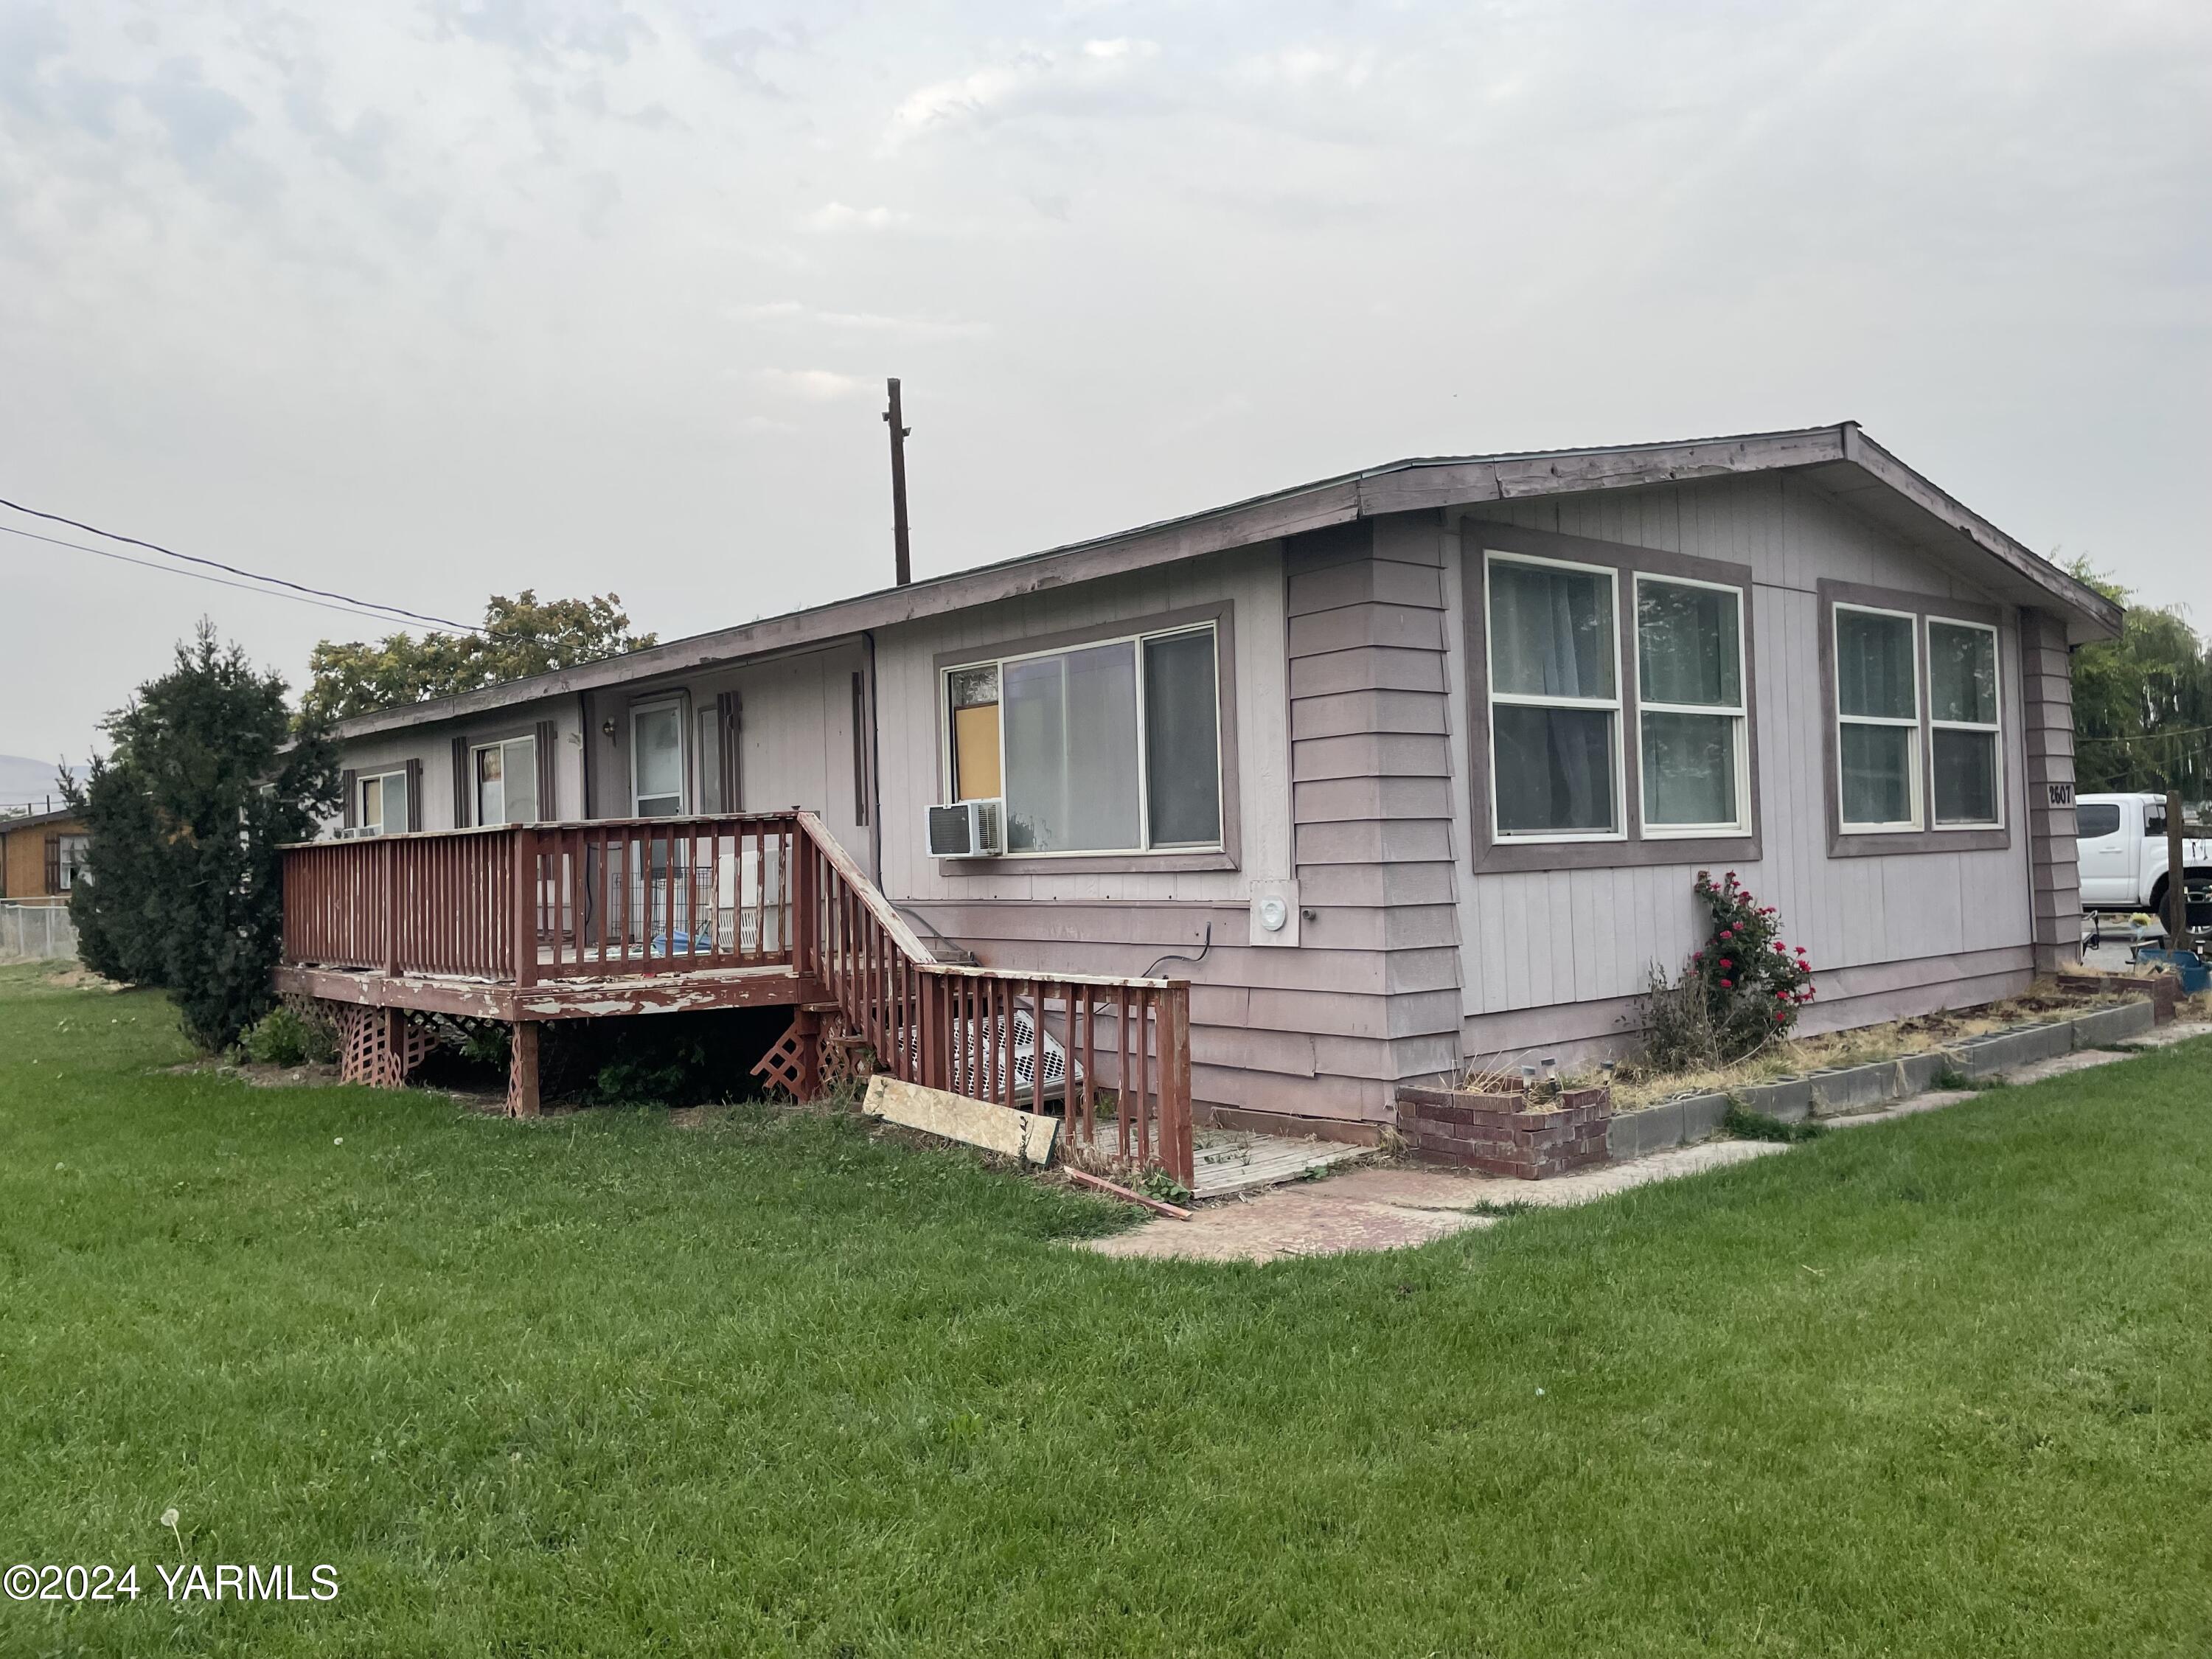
x,y
2122,849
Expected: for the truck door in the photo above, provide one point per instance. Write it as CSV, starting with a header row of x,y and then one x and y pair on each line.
x,y
2108,834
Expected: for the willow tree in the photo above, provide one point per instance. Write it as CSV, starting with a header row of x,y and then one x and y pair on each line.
x,y
2143,703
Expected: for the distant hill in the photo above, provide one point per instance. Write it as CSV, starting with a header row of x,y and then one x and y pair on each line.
x,y
25,781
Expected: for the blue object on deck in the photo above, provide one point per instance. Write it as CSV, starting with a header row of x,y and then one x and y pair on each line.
x,y
2195,975
662,945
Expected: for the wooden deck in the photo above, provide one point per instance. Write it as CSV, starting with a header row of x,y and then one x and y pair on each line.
x,y
526,924
597,997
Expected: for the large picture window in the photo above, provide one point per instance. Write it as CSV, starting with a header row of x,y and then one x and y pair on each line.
x,y
1691,710
1964,752
1554,700
1877,719
1109,747
506,782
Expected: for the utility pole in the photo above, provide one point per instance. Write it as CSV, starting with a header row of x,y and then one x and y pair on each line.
x,y
905,565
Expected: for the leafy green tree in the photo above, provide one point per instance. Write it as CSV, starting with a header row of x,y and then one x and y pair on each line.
x,y
209,775
2143,703
521,637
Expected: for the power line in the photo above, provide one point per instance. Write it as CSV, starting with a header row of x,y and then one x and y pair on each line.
x,y
251,575
199,576
2152,737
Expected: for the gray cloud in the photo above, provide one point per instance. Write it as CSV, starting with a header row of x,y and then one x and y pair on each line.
x,y
466,295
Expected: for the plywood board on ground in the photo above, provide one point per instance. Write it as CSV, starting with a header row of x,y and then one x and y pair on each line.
x,y
959,1117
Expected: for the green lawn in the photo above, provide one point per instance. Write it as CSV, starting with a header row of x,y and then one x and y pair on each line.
x,y
598,1385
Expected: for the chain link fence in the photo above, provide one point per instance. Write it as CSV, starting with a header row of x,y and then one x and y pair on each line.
x,y
36,933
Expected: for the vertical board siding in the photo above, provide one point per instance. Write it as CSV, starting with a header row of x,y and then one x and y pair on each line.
x,y
1534,940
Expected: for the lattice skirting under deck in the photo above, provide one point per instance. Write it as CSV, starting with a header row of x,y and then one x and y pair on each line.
x,y
378,1046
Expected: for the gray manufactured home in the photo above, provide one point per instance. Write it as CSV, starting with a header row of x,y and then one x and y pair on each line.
x,y
1396,770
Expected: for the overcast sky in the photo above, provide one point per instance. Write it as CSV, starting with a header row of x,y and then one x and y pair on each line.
x,y
428,301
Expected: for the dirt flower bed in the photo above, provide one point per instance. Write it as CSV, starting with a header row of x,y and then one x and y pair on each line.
x,y
1635,1088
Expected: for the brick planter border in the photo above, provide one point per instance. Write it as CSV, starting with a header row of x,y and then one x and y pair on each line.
x,y
1497,1134
2163,989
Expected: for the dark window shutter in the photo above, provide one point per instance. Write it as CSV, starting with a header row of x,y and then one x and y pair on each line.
x,y
53,864
414,794
349,790
548,757
728,719
860,750
461,783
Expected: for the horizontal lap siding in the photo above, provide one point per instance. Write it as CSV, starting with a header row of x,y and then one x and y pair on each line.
x,y
1371,793
1544,940
2047,690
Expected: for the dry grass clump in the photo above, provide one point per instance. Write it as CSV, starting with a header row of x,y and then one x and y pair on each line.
x,y
1637,1085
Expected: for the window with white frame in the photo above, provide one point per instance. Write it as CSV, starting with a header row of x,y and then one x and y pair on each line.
x,y
656,758
1965,753
1690,714
1554,700
382,807
1877,719
506,781
1111,747
68,861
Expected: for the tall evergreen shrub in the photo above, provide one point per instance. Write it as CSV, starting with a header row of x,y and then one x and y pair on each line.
x,y
208,775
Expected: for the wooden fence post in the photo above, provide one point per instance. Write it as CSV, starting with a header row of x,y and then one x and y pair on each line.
x,y
2177,881
1174,1148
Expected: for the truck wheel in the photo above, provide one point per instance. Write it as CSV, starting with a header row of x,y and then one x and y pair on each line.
x,y
2194,880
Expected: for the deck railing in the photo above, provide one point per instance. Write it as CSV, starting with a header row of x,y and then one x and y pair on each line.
x,y
1113,1055
627,896
522,904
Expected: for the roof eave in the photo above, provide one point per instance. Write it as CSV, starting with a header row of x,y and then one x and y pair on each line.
x,y
1409,485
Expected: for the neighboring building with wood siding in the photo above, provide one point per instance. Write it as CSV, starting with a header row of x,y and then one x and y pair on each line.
x,y
40,854
1785,654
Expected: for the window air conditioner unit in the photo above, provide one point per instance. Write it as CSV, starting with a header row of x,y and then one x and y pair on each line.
x,y
967,830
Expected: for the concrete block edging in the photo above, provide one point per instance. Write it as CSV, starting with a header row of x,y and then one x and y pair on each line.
x,y
1697,1117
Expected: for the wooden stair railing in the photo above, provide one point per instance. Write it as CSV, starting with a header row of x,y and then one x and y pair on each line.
x,y
1114,1055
